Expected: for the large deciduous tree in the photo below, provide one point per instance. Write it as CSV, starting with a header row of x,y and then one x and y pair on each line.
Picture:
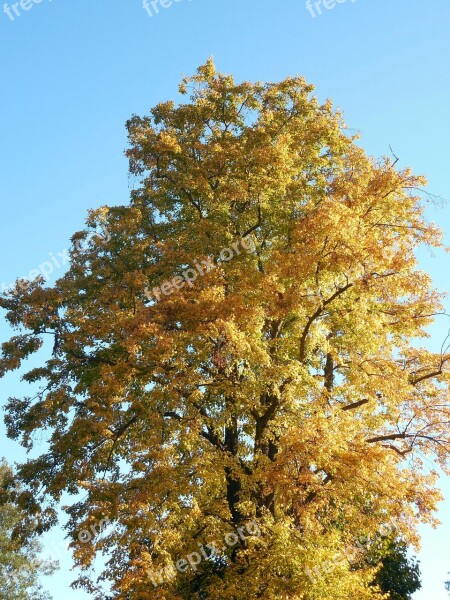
x,y
242,347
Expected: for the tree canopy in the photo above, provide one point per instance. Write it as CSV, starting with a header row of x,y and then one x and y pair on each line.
x,y
241,350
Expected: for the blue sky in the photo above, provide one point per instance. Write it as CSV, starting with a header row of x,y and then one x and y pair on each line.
x,y
74,71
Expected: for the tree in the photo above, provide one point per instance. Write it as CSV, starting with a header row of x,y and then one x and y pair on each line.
x,y
399,575
241,349
20,563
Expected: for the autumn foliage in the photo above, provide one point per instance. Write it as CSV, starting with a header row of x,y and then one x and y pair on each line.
x,y
285,386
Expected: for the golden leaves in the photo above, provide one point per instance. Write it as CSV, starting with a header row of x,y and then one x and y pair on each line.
x,y
282,385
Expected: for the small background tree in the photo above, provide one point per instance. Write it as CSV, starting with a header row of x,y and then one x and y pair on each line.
x,y
399,575
20,563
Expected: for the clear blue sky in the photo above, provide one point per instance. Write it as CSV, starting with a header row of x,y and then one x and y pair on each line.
x,y
74,71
